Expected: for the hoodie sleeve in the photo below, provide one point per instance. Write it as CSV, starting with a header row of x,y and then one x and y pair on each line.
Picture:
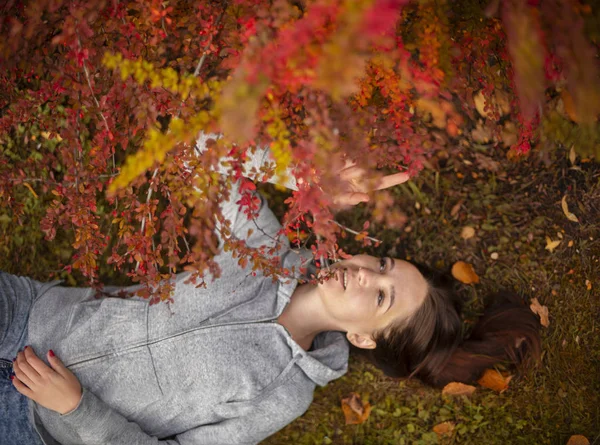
x,y
97,424
261,228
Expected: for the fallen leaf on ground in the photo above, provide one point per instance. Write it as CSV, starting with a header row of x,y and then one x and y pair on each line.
x,y
355,410
492,379
438,115
572,155
464,273
578,439
456,208
588,284
481,134
551,245
486,163
540,310
467,232
565,208
444,428
458,389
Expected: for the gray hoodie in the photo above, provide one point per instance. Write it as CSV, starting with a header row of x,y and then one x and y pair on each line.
x,y
213,368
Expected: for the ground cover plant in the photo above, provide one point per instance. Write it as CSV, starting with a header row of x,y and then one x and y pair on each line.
x,y
492,106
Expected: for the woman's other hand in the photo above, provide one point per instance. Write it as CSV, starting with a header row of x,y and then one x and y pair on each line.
x,y
55,387
358,182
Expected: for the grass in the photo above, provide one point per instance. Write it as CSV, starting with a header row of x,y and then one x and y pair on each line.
x,y
513,210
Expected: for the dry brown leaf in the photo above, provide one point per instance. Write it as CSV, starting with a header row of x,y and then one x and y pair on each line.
x,y
588,284
456,208
565,208
458,389
486,163
481,134
467,232
498,100
578,439
355,410
540,310
492,379
551,245
510,134
464,273
444,428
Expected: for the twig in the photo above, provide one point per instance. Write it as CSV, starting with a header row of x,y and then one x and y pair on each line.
x,y
148,196
204,51
354,232
89,82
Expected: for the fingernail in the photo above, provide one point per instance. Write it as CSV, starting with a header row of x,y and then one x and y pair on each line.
x,y
51,353
14,359
12,377
25,347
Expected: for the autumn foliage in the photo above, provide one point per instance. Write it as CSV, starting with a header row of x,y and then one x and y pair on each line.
x,y
101,102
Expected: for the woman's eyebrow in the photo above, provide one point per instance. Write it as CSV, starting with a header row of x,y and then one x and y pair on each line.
x,y
392,298
392,289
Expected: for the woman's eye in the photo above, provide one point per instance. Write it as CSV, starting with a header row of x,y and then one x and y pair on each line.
x,y
382,264
380,298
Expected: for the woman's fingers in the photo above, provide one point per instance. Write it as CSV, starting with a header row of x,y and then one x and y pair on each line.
x,y
350,199
392,180
25,367
57,364
20,375
22,388
351,172
35,362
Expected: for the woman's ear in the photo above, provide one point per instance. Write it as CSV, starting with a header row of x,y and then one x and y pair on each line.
x,y
361,340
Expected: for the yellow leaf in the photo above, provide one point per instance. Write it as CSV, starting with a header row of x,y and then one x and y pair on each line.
x,y
578,439
458,389
464,273
572,155
492,379
444,429
565,208
438,115
355,410
588,284
540,310
30,189
551,245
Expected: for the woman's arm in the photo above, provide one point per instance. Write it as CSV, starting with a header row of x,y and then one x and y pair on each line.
x,y
57,389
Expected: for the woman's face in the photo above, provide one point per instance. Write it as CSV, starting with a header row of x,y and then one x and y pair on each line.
x,y
366,294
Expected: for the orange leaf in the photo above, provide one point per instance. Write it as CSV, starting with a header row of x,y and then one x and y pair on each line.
x,y
355,410
464,273
578,439
569,104
492,379
540,310
444,429
458,389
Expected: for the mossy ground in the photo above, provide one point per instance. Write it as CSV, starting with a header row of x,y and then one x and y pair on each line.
x,y
513,206
513,210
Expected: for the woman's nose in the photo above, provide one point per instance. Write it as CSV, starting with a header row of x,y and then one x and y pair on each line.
x,y
363,277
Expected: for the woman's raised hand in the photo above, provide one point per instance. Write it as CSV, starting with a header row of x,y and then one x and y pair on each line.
x,y
356,183
55,387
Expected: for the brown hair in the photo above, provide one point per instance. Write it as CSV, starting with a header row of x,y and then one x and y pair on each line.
x,y
429,345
